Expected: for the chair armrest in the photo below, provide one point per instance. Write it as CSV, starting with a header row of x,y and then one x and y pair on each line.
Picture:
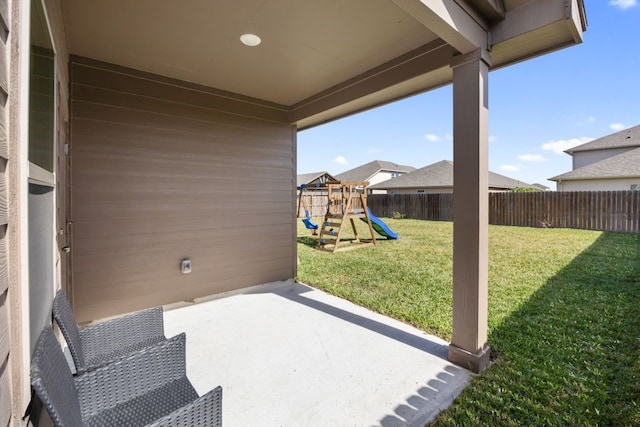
x,y
131,376
123,333
206,411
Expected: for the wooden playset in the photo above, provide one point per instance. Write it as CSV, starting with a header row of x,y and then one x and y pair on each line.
x,y
346,202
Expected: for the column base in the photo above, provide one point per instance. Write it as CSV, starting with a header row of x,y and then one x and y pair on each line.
x,y
475,362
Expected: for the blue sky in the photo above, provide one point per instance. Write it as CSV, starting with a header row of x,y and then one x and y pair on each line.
x,y
537,109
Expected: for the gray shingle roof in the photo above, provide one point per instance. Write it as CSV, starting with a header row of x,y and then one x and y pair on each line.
x,y
307,178
624,165
628,138
440,174
540,187
366,171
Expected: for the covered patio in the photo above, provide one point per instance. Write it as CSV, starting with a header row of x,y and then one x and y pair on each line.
x,y
140,135
290,355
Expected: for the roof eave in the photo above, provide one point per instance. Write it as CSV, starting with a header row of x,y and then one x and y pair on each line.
x,y
592,178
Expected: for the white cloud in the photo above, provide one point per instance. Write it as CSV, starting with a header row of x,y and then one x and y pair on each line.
x,y
562,145
617,126
341,160
431,137
510,168
623,4
493,138
374,150
532,158
448,137
591,119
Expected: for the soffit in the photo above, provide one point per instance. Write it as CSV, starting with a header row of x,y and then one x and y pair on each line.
x,y
307,46
530,44
319,60
512,4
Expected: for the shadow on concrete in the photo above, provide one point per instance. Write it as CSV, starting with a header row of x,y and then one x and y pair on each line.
x,y
429,399
296,293
291,355
423,406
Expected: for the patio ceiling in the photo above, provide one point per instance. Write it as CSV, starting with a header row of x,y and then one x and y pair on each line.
x,y
319,60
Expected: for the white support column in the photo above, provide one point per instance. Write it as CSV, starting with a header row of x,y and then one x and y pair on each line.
x,y
469,346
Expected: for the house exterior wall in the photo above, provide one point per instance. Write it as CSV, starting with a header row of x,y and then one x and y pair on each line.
x,y
614,184
431,190
165,170
420,190
379,177
382,176
15,304
584,158
6,393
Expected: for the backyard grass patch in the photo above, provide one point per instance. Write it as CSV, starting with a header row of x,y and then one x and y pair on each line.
x,y
564,325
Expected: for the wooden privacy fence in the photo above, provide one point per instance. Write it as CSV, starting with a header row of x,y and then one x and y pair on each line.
x,y
316,204
588,210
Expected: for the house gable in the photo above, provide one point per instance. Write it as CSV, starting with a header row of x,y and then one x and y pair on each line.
x,y
314,179
438,177
375,172
605,147
627,138
586,158
599,163
624,165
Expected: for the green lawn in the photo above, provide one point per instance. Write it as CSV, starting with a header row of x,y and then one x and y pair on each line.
x,y
564,316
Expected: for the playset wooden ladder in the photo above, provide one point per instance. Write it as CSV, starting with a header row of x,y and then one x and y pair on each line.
x,y
347,202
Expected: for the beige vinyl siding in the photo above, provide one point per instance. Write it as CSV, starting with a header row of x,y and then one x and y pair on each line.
x,y
421,190
5,384
378,177
584,158
609,184
432,190
165,170
5,342
4,274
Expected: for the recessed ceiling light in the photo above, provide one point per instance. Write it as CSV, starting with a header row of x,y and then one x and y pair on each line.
x,y
250,40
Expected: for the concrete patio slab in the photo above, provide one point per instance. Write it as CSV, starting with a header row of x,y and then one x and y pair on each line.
x,y
290,355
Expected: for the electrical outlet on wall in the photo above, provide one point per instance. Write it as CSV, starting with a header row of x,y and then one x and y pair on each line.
x,y
185,266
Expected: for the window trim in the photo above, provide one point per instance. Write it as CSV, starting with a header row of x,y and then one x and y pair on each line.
x,y
40,176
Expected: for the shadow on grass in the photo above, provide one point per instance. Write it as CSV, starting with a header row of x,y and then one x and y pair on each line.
x,y
570,355
312,242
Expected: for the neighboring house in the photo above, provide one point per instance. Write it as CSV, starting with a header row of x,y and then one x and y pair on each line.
x,y
375,172
313,179
608,163
438,178
540,187
126,147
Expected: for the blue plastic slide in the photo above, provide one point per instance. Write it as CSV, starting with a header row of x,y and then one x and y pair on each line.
x,y
380,227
